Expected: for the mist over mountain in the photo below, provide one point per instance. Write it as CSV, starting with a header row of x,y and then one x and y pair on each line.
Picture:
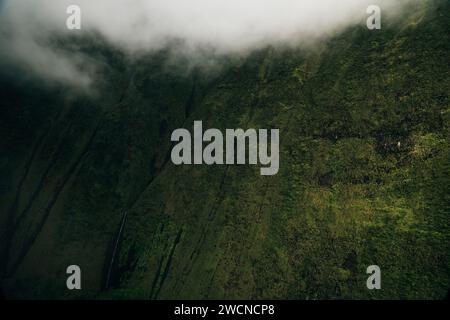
x,y
87,179
30,28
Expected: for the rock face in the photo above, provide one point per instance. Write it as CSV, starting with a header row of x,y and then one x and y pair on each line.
x,y
364,173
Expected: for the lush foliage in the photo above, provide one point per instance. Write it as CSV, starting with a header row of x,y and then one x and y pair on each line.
x,y
364,120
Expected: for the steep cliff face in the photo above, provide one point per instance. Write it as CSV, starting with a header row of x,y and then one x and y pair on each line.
x,y
364,173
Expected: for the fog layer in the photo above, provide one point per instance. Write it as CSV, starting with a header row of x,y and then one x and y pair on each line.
x,y
27,27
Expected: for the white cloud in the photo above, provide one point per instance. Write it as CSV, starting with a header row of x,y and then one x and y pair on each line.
x,y
225,25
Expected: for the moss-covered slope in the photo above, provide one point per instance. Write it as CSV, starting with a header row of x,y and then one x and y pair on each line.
x,y
364,179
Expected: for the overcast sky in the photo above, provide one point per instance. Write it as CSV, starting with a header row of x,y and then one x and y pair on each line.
x,y
225,25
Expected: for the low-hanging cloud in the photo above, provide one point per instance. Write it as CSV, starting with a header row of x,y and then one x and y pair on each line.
x,y
226,26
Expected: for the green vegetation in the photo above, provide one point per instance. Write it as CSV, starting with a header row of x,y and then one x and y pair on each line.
x,y
364,177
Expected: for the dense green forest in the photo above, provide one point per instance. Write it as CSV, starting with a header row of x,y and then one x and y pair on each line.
x,y
364,178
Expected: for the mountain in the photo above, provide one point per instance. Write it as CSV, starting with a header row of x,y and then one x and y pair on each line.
x,y
364,120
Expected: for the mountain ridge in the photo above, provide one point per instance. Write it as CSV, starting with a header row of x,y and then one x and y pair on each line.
x,y
364,168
